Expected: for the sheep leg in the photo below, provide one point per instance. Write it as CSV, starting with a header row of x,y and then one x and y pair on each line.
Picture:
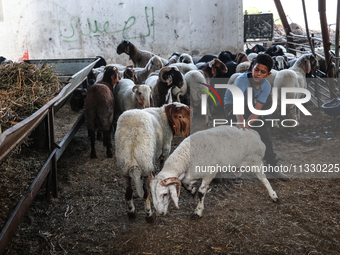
x,y
99,136
149,217
202,191
92,135
107,143
262,177
131,210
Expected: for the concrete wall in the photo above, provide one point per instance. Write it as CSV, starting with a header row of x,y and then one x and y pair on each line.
x,y
81,28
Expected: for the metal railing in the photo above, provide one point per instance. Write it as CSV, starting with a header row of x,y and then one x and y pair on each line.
x,y
319,86
13,136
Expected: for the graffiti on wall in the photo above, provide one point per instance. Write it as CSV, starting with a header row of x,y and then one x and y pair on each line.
x,y
95,29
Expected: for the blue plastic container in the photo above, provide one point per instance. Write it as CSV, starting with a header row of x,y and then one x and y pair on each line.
x,y
332,108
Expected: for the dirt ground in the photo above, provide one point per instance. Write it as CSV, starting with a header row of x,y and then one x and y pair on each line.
x,y
89,216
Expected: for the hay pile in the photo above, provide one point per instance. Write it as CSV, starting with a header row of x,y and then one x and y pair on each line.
x,y
24,88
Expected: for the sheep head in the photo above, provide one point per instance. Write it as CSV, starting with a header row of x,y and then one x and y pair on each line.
x,y
111,75
171,76
313,62
241,57
124,46
309,61
78,99
162,190
173,58
280,62
225,56
154,64
178,116
129,73
186,58
215,67
143,95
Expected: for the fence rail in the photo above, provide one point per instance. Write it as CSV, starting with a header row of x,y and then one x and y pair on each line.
x,y
13,136
320,87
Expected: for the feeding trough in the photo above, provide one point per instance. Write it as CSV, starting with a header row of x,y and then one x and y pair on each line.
x,y
332,108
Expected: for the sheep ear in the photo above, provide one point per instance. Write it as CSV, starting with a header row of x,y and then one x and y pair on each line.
x,y
135,78
173,120
176,125
151,176
173,194
127,49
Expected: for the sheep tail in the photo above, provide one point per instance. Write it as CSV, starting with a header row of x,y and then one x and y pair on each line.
x,y
136,174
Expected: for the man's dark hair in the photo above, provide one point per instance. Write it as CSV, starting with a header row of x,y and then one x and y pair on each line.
x,y
264,59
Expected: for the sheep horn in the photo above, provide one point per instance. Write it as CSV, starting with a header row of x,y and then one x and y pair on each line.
x,y
135,87
172,180
162,71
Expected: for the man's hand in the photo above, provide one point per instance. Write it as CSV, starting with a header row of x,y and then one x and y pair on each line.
x,y
243,127
241,123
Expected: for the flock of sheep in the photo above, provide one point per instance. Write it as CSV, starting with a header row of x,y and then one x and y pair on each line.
x,y
153,102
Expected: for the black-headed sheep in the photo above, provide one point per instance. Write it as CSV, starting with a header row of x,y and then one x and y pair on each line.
x,y
77,99
162,82
139,57
256,49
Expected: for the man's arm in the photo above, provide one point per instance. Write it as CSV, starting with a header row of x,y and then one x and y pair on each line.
x,y
252,117
240,120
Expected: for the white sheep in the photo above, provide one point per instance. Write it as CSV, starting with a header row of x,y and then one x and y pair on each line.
x,y
222,146
139,57
294,77
196,79
132,96
143,138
